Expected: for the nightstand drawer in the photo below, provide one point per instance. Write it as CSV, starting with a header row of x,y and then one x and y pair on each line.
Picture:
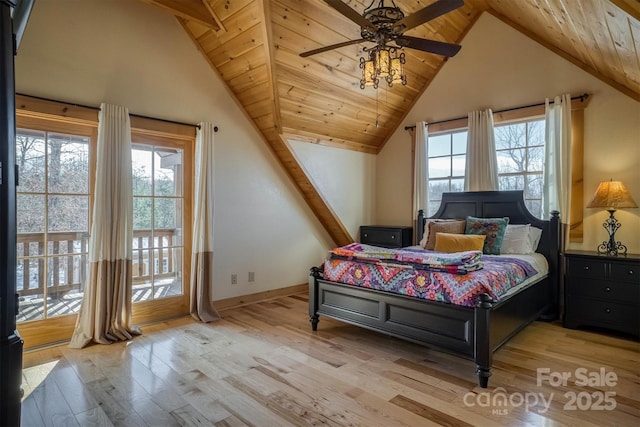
x,y
381,236
621,317
625,272
580,267
603,290
391,237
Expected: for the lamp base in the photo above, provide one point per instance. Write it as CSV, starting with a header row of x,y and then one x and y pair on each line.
x,y
612,247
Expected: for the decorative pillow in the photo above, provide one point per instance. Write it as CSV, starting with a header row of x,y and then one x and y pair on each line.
x,y
534,236
516,239
493,228
448,242
446,226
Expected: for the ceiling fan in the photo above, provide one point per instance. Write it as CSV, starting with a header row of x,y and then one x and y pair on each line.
x,y
385,24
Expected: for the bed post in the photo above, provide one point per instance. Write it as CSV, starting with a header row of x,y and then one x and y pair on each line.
x,y
313,297
419,227
555,247
483,350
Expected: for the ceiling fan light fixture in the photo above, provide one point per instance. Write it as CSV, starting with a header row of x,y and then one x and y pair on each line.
x,y
396,74
383,62
369,76
382,24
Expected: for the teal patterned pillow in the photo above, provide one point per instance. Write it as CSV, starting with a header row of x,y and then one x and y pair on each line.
x,y
493,228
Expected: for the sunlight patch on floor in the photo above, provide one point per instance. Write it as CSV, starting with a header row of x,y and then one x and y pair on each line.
x,y
34,376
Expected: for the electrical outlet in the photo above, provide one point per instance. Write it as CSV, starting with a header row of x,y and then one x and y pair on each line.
x,y
252,276
234,279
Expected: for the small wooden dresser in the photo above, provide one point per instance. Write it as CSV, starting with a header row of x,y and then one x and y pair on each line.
x,y
602,291
386,236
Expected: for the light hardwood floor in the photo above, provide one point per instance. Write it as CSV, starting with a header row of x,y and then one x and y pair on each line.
x,y
262,366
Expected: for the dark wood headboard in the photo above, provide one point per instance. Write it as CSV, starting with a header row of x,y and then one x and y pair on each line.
x,y
499,204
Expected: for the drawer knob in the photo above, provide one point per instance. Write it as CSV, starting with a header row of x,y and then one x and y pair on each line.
x,y
607,289
631,272
607,310
585,268
393,237
366,235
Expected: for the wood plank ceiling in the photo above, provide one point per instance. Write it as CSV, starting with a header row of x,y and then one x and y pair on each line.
x,y
254,46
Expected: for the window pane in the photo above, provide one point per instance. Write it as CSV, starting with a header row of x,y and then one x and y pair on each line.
x,y
30,214
535,207
142,282
68,213
30,158
536,132
460,143
457,185
440,145
167,164
511,161
141,169
535,159
68,162
142,213
433,207
169,276
68,243
165,213
511,182
436,188
439,167
510,136
534,187
31,293
459,163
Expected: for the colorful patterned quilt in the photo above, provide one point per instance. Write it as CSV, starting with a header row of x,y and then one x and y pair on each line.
x,y
496,278
455,263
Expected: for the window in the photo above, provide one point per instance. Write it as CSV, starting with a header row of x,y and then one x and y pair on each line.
x,y
446,164
520,153
52,222
157,221
56,156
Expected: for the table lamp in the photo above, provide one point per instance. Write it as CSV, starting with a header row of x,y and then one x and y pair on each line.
x,y
612,195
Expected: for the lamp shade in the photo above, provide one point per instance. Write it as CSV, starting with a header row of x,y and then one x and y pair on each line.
x,y
612,195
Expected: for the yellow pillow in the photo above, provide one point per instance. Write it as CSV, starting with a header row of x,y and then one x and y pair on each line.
x,y
448,242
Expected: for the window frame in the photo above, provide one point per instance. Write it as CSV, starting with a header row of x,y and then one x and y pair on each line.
x,y
578,106
58,117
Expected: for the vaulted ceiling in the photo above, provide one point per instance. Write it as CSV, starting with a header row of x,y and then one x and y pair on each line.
x,y
254,46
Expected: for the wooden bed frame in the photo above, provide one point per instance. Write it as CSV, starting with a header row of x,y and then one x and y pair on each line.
x,y
474,333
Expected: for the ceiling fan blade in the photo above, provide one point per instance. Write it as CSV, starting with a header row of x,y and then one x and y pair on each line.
x,y
431,46
426,14
333,46
350,13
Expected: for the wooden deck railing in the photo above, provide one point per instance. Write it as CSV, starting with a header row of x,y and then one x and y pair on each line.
x,y
68,255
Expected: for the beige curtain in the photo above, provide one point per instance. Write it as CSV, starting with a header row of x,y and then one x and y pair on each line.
x,y
556,194
105,314
421,175
481,171
201,306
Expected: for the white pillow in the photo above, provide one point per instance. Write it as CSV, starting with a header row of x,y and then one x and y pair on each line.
x,y
534,237
516,239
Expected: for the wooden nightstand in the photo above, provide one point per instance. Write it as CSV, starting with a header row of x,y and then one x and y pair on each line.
x,y
602,291
386,236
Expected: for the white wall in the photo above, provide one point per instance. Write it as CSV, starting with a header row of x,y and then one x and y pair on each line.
x,y
500,68
344,178
128,53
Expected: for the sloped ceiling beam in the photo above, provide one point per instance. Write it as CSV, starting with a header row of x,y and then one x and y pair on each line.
x,y
192,10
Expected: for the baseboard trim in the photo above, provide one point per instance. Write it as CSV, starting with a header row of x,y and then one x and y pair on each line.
x,y
229,303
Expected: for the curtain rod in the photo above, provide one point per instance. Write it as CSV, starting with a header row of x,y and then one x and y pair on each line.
x,y
580,97
215,128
